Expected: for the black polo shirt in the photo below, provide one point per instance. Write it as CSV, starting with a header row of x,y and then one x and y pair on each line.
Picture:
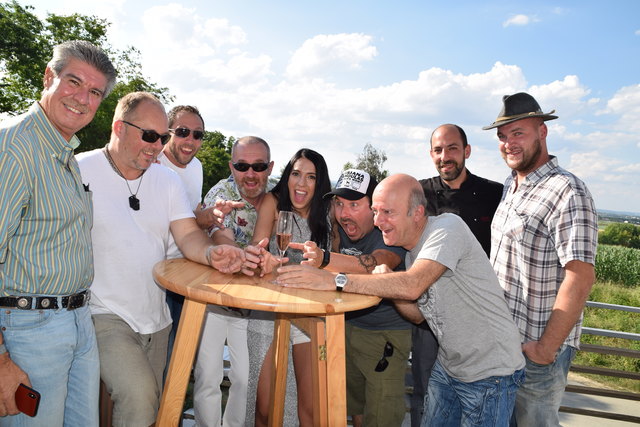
x,y
475,202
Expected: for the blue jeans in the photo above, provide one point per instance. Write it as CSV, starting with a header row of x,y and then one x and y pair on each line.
x,y
424,352
538,400
57,349
487,402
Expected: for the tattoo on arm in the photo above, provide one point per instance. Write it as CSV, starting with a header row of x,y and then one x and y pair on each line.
x,y
367,261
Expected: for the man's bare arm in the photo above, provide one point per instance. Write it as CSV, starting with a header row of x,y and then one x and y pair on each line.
x,y
407,285
364,263
570,301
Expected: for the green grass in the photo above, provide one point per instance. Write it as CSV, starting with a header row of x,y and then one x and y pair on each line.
x,y
612,293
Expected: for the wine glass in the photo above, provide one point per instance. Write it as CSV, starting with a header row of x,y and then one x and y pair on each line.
x,y
284,231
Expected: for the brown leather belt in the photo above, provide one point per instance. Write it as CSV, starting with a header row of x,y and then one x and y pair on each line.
x,y
34,302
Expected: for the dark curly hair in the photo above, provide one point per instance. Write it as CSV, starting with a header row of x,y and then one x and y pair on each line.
x,y
319,209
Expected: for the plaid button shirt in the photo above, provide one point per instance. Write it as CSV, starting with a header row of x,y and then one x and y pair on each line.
x,y
537,229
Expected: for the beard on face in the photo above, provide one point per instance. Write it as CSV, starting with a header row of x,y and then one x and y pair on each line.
x,y
529,160
453,173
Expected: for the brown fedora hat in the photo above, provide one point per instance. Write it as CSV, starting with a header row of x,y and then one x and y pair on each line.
x,y
517,107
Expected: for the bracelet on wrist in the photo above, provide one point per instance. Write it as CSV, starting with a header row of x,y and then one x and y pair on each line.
x,y
326,258
207,254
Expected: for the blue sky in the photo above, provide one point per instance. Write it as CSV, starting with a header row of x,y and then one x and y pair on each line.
x,y
335,75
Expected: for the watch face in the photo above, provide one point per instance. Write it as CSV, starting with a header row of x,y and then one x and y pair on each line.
x,y
341,280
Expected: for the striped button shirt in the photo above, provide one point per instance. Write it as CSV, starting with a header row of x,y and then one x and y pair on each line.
x,y
45,212
537,229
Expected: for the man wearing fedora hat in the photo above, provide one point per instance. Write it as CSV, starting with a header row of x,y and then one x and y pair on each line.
x,y
544,237
378,339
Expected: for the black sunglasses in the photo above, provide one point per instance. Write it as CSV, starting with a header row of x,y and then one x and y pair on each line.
x,y
150,136
257,167
185,132
383,362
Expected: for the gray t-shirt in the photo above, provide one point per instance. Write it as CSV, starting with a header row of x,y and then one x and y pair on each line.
x,y
465,307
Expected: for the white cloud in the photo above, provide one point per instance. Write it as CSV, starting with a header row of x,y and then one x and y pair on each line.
x,y
325,51
519,20
637,33
626,105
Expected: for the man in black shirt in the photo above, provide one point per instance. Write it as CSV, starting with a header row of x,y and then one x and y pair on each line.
x,y
474,199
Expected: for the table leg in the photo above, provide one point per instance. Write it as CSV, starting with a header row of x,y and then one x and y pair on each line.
x,y
336,370
314,327
184,351
281,331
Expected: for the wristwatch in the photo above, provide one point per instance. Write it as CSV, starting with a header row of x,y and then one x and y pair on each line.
x,y
326,258
341,280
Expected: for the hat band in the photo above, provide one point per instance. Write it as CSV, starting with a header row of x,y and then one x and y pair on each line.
x,y
519,116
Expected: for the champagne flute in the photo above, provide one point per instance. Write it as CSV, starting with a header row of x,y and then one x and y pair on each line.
x,y
284,231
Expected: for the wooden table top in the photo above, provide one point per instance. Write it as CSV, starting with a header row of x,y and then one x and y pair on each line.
x,y
203,283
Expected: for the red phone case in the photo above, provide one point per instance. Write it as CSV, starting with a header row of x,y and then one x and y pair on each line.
x,y
27,400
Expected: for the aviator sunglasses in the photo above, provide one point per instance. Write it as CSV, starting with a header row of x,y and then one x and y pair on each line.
x,y
257,167
150,136
383,362
185,132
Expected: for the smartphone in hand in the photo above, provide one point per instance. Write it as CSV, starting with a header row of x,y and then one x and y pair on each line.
x,y
27,400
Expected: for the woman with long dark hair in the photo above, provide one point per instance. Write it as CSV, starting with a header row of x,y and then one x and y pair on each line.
x,y
304,181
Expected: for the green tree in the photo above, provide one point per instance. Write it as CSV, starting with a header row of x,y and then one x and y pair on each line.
x,y
621,234
372,161
214,154
26,46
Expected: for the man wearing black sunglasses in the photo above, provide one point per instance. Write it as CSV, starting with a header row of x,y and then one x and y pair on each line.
x,y
186,127
250,167
138,205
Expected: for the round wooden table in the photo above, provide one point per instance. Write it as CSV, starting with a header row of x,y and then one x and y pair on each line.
x,y
319,313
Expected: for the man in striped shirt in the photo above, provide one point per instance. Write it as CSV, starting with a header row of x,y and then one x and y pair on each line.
x,y
543,247
47,339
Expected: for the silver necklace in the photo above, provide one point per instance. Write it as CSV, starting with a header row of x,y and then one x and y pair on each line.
x,y
134,202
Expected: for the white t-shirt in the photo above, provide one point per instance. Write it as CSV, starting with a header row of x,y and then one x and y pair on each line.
x,y
127,243
191,178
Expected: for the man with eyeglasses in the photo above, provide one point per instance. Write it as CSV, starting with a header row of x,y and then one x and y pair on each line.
x,y
138,205
450,284
250,168
47,339
186,126
377,339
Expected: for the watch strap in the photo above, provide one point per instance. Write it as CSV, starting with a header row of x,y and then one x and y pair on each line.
x,y
326,258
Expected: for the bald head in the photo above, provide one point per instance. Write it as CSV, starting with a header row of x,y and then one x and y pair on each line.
x,y
399,206
250,140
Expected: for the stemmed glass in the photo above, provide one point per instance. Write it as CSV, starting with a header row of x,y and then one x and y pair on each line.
x,y
284,231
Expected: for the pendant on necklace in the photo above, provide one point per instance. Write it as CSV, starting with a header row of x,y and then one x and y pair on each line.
x,y
134,203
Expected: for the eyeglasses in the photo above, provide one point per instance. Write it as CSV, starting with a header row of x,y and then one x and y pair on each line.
x,y
150,136
185,132
257,167
383,362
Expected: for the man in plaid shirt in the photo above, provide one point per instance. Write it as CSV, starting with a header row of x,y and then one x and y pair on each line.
x,y
543,247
